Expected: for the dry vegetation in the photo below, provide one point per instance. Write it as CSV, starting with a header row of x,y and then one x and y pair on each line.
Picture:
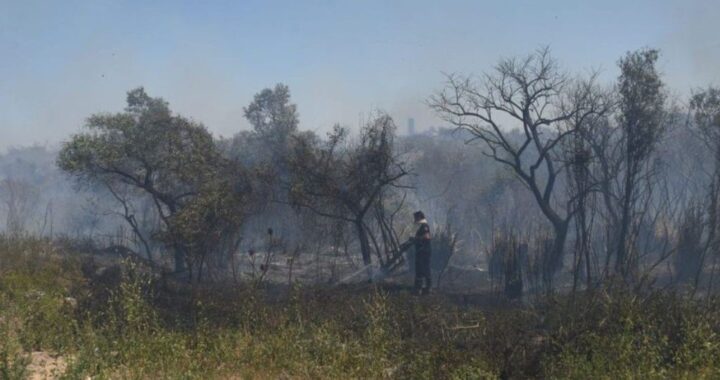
x,y
124,322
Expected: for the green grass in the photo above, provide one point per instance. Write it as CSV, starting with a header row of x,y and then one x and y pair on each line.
x,y
135,326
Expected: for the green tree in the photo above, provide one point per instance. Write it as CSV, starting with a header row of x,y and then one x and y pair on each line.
x,y
267,148
272,115
147,151
641,119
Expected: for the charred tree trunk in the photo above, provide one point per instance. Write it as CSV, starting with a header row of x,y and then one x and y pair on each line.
x,y
364,241
179,258
622,260
556,255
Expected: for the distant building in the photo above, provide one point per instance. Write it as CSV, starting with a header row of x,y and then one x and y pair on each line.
x,y
411,126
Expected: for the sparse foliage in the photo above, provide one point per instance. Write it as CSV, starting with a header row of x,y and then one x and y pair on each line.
x,y
343,179
641,122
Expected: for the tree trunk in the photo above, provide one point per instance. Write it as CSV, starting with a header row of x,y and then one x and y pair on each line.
x,y
364,242
557,252
623,230
179,260
364,247
561,231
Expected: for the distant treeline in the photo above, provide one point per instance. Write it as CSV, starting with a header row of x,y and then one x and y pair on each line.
x,y
539,174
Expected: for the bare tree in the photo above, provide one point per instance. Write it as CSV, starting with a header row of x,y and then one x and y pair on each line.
x,y
583,182
705,113
20,200
533,94
128,214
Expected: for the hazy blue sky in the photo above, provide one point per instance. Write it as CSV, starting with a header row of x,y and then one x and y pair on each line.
x,y
60,61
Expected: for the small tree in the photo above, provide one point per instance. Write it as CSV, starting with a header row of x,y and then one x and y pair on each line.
x,y
343,180
19,199
583,181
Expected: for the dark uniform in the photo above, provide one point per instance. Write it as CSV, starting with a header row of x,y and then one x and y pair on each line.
x,y
422,258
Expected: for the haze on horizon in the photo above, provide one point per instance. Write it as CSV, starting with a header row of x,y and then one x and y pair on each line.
x,y
342,60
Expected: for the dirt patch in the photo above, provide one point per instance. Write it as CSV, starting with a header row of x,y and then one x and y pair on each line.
x,y
45,366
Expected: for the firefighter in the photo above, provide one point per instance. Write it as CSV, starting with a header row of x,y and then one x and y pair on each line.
x,y
421,241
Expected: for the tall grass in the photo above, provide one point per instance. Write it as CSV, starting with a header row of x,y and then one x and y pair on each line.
x,y
140,327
